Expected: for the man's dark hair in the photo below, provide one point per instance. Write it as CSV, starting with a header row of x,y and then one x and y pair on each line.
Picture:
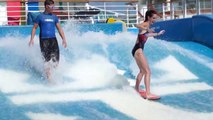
x,y
48,2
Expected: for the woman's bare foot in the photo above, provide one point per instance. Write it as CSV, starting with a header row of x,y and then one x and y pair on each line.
x,y
141,92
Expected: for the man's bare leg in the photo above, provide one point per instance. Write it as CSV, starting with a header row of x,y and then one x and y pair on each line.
x,y
48,74
48,67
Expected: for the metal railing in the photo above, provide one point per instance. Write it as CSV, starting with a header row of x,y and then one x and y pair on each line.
x,y
80,12
182,8
83,11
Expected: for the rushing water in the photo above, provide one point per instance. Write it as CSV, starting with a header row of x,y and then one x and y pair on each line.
x,y
95,79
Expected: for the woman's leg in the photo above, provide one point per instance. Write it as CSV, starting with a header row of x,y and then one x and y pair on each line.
x,y
144,66
141,73
138,80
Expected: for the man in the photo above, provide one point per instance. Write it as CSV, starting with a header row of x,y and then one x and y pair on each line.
x,y
48,42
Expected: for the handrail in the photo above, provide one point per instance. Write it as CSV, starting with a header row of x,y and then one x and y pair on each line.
x,y
70,1
79,12
170,11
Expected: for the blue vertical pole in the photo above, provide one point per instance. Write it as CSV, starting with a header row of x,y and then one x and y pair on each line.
x,y
198,7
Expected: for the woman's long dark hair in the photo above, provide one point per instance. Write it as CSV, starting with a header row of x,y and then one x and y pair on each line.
x,y
149,13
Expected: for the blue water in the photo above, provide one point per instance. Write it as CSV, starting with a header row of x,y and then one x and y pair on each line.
x,y
200,101
17,57
86,109
185,53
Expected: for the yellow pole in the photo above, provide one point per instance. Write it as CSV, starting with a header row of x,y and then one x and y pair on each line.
x,y
23,18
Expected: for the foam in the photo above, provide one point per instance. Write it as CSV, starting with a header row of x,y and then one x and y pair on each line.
x,y
185,88
49,116
89,75
174,70
121,72
92,76
170,89
203,60
126,101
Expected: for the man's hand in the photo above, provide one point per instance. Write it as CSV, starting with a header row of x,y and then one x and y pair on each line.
x,y
31,43
64,43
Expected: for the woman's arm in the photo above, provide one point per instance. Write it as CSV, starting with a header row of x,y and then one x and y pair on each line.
x,y
156,34
142,26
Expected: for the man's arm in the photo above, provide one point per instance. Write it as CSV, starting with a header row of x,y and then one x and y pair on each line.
x,y
33,34
61,32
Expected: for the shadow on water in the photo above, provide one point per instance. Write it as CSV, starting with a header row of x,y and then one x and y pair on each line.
x,y
89,110
199,101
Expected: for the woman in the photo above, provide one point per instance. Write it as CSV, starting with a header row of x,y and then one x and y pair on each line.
x,y
137,52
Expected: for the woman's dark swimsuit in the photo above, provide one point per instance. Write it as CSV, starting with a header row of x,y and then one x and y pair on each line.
x,y
141,40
